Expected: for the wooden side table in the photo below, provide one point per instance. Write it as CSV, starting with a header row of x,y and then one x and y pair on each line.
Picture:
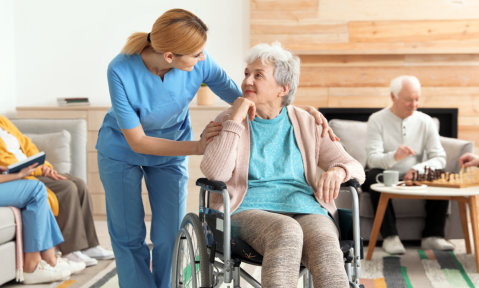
x,y
463,196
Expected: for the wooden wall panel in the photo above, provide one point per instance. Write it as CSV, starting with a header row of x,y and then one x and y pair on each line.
x,y
420,31
351,60
381,76
358,97
284,5
314,96
443,60
276,20
350,51
370,10
313,39
298,27
274,10
374,10
469,132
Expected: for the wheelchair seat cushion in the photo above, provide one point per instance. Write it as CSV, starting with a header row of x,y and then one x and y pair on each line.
x,y
242,251
245,253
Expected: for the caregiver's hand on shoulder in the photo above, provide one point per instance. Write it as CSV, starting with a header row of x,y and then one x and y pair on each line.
x,y
242,108
211,130
320,120
52,173
329,184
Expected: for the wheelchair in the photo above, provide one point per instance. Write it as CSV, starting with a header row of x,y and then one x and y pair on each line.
x,y
205,255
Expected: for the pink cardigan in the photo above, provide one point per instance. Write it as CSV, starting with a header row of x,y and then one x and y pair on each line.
x,y
227,157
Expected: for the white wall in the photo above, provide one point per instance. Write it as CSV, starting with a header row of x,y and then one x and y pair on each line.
x,y
7,54
63,47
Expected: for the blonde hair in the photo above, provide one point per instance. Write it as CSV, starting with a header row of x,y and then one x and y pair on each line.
x,y
177,30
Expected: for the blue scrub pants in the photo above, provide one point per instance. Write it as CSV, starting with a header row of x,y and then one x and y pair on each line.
x,y
167,190
40,229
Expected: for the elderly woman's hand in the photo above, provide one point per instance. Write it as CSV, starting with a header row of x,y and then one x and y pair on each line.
x,y
242,108
27,170
52,173
329,184
22,173
15,176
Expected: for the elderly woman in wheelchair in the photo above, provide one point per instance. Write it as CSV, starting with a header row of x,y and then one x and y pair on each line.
x,y
267,153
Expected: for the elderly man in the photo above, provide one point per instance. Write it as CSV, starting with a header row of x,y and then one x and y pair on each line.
x,y
400,138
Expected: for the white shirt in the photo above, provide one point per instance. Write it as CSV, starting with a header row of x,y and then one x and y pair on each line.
x,y
386,132
12,144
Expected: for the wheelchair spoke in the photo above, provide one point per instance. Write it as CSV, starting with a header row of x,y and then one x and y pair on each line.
x,y
190,264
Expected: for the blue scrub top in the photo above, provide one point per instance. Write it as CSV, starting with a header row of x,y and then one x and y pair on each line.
x,y
160,106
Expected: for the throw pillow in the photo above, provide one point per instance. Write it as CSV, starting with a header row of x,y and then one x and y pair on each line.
x,y
56,146
454,149
354,137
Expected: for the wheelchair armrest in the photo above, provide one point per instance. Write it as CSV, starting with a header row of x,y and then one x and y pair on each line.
x,y
351,183
210,185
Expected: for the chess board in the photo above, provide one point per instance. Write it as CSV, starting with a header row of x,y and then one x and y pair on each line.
x,y
447,185
465,178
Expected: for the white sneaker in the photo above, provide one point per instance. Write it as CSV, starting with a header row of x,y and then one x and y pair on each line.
x,y
45,273
72,266
436,243
77,256
393,245
99,253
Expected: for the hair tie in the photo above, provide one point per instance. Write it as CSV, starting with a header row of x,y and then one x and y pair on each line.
x,y
148,38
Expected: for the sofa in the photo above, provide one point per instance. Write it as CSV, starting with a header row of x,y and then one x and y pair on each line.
x,y
65,144
410,214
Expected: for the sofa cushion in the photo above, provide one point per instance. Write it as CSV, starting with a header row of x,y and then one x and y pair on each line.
x,y
56,146
353,135
454,149
7,225
8,263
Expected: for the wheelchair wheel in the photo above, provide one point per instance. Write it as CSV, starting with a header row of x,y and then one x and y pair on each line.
x,y
191,267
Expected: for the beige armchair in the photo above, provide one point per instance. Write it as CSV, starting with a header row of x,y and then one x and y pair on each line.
x,y
64,142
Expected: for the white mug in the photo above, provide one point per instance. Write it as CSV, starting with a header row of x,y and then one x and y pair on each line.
x,y
390,177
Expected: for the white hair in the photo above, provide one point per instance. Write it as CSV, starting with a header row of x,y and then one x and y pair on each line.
x,y
396,83
286,66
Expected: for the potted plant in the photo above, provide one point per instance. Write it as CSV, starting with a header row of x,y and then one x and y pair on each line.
x,y
205,96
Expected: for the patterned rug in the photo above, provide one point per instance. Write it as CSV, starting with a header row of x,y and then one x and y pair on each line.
x,y
417,268
107,279
420,268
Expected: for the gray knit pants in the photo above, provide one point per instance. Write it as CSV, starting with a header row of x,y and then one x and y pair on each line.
x,y
75,217
285,241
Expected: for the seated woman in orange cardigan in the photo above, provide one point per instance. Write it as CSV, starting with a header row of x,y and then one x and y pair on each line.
x,y
40,231
73,209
